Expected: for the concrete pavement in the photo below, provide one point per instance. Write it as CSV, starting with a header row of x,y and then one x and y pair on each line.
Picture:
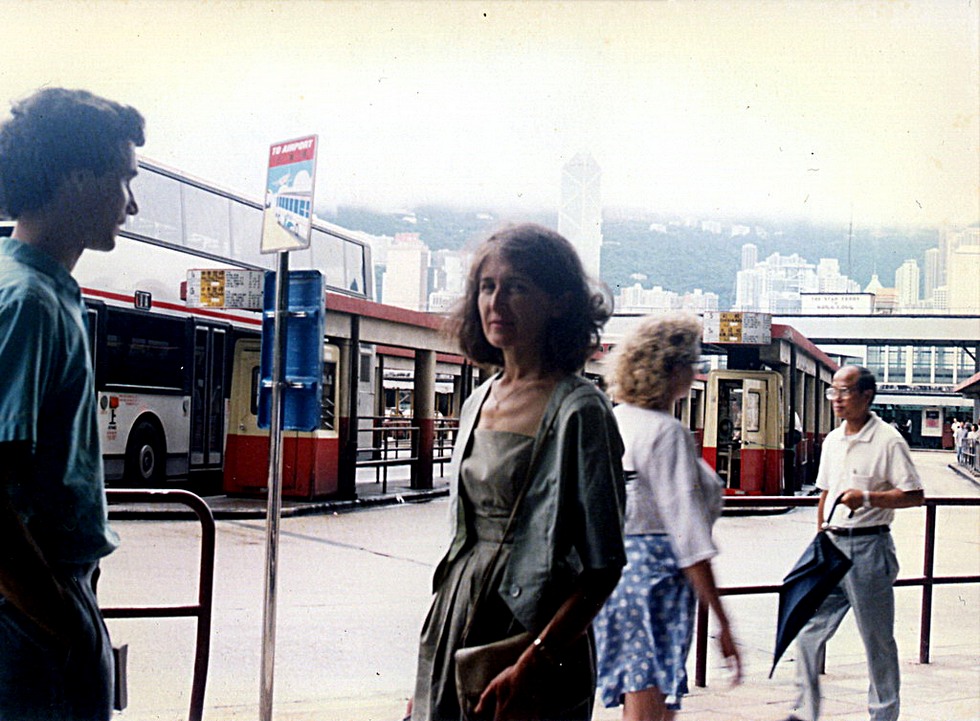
x,y
354,588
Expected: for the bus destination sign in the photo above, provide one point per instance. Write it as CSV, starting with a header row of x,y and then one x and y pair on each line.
x,y
287,219
225,288
737,327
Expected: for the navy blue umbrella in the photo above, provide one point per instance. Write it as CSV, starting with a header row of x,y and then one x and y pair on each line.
x,y
813,577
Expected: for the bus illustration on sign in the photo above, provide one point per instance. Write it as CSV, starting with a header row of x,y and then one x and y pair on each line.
x,y
293,211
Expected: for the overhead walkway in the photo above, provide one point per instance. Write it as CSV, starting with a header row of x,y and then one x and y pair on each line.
x,y
928,330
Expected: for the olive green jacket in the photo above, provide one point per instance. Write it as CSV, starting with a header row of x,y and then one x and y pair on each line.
x,y
572,516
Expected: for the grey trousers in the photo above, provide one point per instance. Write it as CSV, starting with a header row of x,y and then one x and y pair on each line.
x,y
867,588
38,682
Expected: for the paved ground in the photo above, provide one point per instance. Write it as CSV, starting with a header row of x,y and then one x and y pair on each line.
x,y
354,587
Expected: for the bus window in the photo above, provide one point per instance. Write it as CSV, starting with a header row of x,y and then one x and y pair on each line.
x,y
729,410
254,394
207,225
354,267
752,411
144,350
207,409
159,199
216,402
92,326
328,408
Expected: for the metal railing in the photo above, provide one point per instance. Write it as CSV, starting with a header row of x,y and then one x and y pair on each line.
x,y
928,580
394,442
967,455
202,610
445,441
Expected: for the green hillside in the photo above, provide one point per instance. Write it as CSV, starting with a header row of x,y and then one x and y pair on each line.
x,y
682,258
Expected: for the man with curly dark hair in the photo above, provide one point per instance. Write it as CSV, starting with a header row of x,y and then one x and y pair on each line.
x,y
66,162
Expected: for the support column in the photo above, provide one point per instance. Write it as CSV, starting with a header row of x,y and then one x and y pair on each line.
x,y
788,485
379,406
350,357
810,425
976,369
424,420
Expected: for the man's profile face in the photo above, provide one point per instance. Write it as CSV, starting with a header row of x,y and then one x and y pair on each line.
x,y
105,202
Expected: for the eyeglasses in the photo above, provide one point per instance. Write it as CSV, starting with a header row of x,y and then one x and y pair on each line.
x,y
842,393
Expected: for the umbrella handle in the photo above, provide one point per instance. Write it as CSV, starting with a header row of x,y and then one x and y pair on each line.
x,y
826,524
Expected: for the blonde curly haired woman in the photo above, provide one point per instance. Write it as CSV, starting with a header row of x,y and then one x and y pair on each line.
x,y
643,633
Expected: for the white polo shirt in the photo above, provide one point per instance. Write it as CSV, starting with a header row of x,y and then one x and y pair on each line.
x,y
874,459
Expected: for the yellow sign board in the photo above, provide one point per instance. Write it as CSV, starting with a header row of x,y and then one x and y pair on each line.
x,y
225,288
742,327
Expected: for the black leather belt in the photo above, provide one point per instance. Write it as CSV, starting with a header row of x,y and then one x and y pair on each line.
x,y
865,531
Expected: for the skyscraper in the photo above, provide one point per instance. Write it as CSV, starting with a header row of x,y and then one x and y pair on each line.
x,y
406,276
580,218
750,256
964,269
907,284
933,278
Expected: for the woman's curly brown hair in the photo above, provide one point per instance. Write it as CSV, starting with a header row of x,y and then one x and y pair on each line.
x,y
645,360
550,261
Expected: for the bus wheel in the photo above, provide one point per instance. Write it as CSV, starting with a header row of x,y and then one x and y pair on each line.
x,y
145,455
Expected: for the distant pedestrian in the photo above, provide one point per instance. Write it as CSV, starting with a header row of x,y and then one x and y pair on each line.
x,y
66,161
866,463
644,631
959,440
971,445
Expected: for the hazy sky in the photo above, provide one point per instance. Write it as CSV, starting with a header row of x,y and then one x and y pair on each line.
x,y
815,109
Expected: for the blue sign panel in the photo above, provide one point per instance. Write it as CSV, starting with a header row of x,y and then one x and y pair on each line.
x,y
303,360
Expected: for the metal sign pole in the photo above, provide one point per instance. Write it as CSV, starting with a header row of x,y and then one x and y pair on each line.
x,y
275,492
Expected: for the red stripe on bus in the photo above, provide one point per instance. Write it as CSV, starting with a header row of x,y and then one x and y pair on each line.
x,y
123,298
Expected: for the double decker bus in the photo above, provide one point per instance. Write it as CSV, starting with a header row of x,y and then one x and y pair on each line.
x,y
164,371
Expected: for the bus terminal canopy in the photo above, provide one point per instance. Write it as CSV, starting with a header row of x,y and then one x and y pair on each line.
x,y
969,388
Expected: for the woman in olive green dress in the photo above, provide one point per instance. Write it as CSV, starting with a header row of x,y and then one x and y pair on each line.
x,y
530,312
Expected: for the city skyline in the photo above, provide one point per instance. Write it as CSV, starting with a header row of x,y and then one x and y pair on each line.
x,y
762,108
779,284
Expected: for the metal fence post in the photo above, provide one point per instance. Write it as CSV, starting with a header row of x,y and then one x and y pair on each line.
x,y
928,570
701,643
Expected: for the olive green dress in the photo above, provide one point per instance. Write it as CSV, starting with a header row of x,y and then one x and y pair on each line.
x,y
490,477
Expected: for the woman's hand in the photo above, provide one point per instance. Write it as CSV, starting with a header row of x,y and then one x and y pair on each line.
x,y
702,579
510,694
506,697
729,650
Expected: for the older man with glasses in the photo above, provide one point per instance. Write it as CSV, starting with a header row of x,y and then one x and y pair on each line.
x,y
867,464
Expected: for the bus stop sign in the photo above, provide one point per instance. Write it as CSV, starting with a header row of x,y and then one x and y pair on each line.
x,y
303,360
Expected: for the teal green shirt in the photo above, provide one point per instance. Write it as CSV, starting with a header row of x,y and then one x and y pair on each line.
x,y
47,398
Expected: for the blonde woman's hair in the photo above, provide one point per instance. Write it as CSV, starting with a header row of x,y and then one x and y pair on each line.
x,y
645,360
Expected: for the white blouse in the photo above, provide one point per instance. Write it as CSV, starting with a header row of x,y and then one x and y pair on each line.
x,y
668,488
